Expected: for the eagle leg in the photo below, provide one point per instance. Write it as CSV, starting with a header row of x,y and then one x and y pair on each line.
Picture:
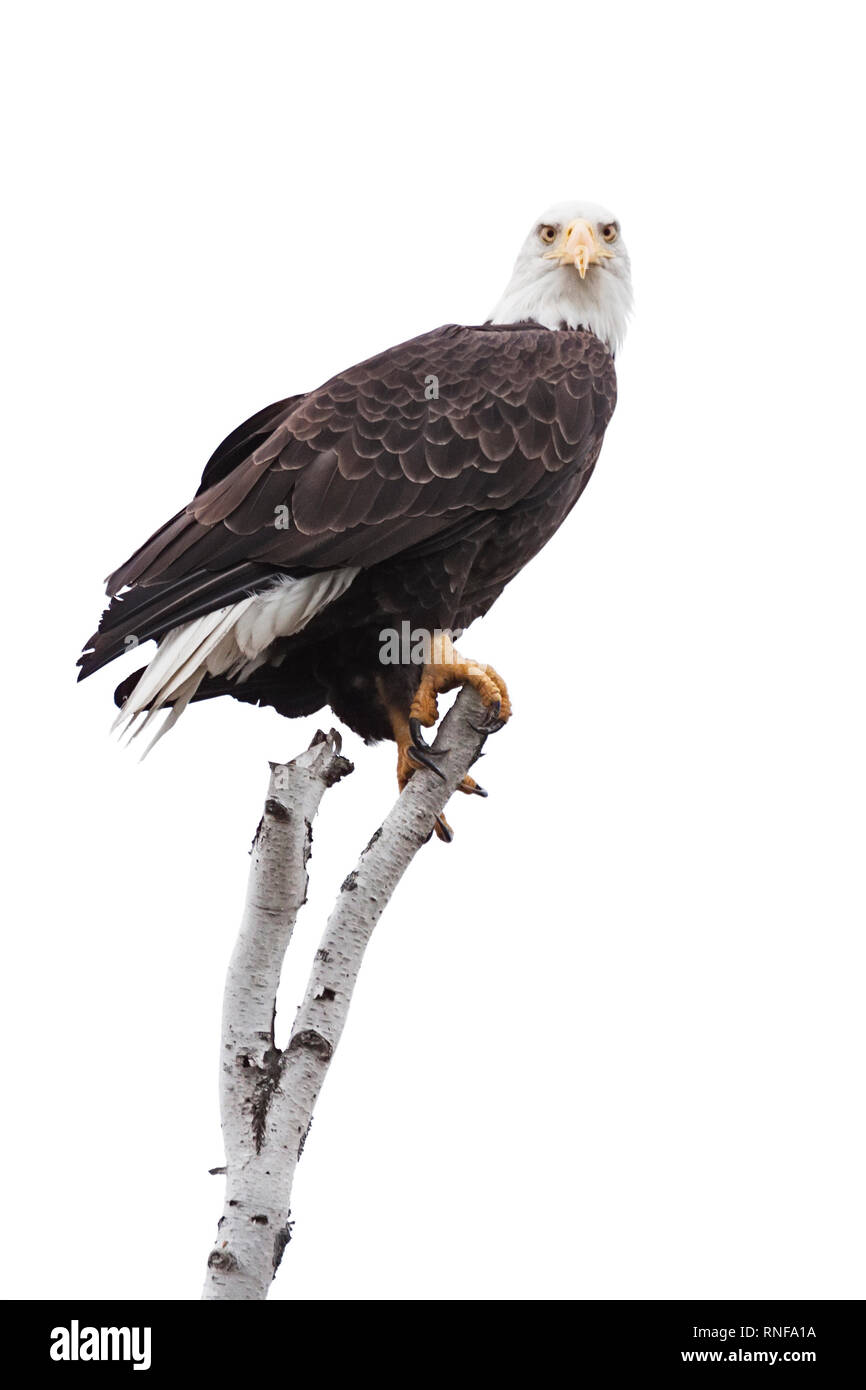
x,y
448,669
412,753
410,756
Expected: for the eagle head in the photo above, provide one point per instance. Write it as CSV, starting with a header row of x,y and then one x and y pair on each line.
x,y
572,271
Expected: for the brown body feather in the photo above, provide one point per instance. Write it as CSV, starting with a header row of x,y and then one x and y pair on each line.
x,y
439,495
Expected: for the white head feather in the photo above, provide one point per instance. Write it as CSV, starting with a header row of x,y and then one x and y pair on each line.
x,y
548,291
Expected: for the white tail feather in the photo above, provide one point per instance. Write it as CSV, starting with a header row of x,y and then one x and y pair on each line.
x,y
232,641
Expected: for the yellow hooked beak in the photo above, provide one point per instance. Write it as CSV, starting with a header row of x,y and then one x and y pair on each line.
x,y
578,245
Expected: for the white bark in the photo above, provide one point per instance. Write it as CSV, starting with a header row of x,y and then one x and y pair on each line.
x,y
267,1095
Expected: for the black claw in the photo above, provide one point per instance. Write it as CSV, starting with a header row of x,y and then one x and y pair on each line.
x,y
423,757
417,737
421,751
492,723
492,728
445,831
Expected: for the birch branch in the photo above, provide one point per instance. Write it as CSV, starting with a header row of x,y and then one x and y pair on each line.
x,y
267,1095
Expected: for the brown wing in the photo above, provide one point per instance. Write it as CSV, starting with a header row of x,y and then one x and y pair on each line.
x,y
394,454
244,441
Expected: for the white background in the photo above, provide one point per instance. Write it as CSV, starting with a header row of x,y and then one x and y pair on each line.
x,y
609,1043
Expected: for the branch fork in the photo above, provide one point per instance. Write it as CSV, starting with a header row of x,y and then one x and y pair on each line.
x,y
268,1094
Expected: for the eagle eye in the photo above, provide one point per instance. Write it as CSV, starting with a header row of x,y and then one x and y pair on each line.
x,y
547,234
610,231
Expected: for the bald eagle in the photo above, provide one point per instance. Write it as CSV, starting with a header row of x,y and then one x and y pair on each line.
x,y
400,496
